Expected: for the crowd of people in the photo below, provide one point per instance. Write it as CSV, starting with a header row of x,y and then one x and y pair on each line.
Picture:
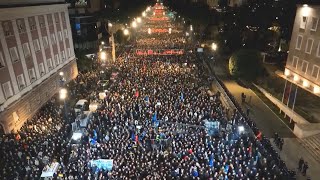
x,y
159,119
165,43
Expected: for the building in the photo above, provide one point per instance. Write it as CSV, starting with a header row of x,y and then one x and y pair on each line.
x,y
303,63
212,3
35,45
87,28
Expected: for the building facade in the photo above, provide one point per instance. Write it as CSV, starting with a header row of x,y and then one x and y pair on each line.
x,y
303,63
35,45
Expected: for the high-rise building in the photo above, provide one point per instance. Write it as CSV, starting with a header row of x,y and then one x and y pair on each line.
x,y
35,45
303,63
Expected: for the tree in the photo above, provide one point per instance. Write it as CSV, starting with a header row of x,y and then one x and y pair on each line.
x,y
246,64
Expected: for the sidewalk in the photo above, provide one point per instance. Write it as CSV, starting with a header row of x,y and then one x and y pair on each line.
x,y
269,123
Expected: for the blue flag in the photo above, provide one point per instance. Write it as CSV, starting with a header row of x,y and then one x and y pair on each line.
x,y
146,98
133,136
154,118
95,135
181,96
226,168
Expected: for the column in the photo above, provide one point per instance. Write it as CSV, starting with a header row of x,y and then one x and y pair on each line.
x,y
64,38
49,37
21,54
34,57
41,44
8,60
57,37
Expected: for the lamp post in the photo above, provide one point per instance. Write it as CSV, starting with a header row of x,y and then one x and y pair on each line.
x,y
63,95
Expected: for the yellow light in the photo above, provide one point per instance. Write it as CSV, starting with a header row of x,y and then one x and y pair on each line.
x,y
286,72
102,42
126,32
170,30
191,28
63,93
296,78
305,11
144,14
305,83
139,19
61,73
110,24
316,89
214,46
149,31
103,55
148,9
134,24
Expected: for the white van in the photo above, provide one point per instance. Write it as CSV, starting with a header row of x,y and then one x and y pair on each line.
x,y
82,104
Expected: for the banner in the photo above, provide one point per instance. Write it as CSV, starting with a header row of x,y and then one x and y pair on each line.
x,y
105,164
163,52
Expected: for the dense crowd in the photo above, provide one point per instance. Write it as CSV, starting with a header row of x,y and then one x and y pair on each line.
x,y
155,122
165,43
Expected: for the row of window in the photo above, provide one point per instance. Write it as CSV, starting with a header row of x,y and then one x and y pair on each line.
x,y
32,23
309,45
36,44
32,75
304,22
302,65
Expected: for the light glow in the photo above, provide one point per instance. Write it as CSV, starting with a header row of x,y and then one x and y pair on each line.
x,y
76,136
286,72
316,89
214,46
63,94
139,19
126,32
296,78
61,73
305,83
149,31
144,14
134,24
241,129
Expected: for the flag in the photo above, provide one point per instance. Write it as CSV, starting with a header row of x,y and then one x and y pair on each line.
x,y
181,96
226,169
136,94
133,136
154,118
95,135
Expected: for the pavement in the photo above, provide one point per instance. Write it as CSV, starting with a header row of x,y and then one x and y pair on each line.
x,y
269,123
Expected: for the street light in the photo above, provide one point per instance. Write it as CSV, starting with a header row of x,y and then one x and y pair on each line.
x,y
110,24
214,46
61,73
139,19
126,32
148,9
102,42
170,30
144,14
63,94
103,55
191,28
134,24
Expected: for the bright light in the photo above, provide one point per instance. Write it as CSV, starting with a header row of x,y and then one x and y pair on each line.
x,y
110,24
164,13
103,55
144,14
134,24
305,11
139,19
63,94
286,72
61,73
214,46
102,42
316,89
148,9
126,32
187,34
76,136
170,30
305,5
241,129
305,83
149,31
296,77
191,28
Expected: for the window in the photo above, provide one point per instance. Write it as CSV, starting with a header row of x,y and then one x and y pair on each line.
x,y
315,71
303,23
65,33
295,62
32,75
299,42
41,69
41,21
53,39
49,63
14,54
49,19
309,46
6,29
63,17
314,24
32,23
21,27
63,56
69,52
26,49
60,35
1,60
304,66
56,17
56,57
20,80
7,89
45,42
36,45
